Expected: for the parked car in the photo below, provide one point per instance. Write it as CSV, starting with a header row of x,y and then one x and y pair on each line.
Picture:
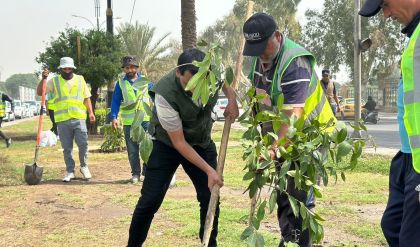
x,y
347,108
10,115
19,110
220,107
33,107
27,110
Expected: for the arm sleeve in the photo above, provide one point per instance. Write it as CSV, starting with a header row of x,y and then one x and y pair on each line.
x,y
295,82
116,101
168,117
86,90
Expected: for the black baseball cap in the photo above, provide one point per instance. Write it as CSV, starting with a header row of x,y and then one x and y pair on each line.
x,y
325,72
371,8
129,60
257,31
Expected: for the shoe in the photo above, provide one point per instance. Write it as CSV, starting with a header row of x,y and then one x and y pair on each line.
x,y
8,142
69,176
135,179
85,171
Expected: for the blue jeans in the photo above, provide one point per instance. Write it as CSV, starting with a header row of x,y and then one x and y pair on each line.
x,y
401,220
68,131
133,150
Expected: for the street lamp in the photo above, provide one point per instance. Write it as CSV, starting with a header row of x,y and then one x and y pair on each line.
x,y
78,16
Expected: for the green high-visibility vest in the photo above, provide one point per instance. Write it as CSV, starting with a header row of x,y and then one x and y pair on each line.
x,y
2,107
50,101
129,98
410,68
69,103
316,106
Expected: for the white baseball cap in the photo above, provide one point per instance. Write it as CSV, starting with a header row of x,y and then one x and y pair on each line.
x,y
66,62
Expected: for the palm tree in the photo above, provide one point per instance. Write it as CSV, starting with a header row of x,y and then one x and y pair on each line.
x,y
189,33
138,41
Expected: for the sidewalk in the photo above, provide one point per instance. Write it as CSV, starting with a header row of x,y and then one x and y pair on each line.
x,y
381,151
388,115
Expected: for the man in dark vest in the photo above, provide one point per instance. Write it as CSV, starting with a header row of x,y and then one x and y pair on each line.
x,y
181,129
330,91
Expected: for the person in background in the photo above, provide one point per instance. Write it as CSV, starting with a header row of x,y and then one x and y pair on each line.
x,y
330,91
3,98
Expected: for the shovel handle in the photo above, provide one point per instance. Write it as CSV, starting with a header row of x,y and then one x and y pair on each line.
x,y
215,191
38,136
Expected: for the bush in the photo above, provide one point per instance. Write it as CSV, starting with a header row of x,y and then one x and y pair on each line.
x,y
100,115
114,139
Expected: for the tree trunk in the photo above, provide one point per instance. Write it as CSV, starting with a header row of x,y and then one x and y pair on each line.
x,y
92,128
189,33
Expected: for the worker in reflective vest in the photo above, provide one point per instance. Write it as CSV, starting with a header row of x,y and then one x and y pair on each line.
x,y
72,100
282,67
123,98
3,112
401,219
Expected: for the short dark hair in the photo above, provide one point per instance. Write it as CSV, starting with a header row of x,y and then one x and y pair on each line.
x,y
188,56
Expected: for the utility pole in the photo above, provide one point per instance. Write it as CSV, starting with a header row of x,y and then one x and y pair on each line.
x,y
357,68
97,12
360,46
109,18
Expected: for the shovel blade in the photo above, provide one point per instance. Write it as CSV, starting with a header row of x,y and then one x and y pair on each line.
x,y
33,174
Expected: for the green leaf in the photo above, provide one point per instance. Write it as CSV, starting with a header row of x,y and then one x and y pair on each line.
x,y
341,135
213,82
273,201
146,147
247,232
252,240
244,115
259,240
343,149
280,101
202,43
140,83
147,109
293,205
261,211
229,75
249,175
205,94
194,81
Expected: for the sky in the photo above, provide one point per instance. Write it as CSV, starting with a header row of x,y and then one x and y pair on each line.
x,y
25,35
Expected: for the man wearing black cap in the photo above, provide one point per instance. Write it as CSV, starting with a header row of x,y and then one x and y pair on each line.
x,y
282,67
401,220
330,91
125,95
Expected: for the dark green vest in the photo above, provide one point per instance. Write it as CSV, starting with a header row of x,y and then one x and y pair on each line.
x,y
196,120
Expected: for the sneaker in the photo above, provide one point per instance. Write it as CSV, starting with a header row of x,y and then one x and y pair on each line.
x,y
135,179
69,176
8,142
85,171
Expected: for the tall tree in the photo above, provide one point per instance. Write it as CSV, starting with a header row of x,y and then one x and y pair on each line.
x,y
99,58
188,24
152,56
12,83
329,35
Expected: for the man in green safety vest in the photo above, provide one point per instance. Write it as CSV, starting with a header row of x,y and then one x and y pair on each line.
x,y
125,95
401,220
282,67
72,100
3,98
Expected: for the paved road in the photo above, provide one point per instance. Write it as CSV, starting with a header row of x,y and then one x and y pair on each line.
x,y
385,133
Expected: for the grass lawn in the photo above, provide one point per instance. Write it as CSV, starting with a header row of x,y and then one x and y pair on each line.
x,y
98,213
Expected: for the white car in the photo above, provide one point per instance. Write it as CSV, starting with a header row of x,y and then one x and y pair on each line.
x,y
19,110
27,110
220,107
10,116
33,107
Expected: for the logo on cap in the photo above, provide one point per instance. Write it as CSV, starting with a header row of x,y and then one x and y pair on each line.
x,y
252,36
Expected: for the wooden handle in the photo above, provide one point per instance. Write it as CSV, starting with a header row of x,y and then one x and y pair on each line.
x,y
215,191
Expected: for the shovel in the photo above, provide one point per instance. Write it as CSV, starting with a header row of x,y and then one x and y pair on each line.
x,y
33,173
215,191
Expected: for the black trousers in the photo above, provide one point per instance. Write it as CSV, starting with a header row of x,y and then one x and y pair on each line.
x,y
54,124
162,164
401,219
2,135
290,225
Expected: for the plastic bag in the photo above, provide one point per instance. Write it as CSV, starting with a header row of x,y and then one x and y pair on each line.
x,y
48,139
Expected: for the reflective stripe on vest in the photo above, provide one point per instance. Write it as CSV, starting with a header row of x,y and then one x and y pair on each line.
x,y
69,104
410,68
2,108
129,98
315,107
